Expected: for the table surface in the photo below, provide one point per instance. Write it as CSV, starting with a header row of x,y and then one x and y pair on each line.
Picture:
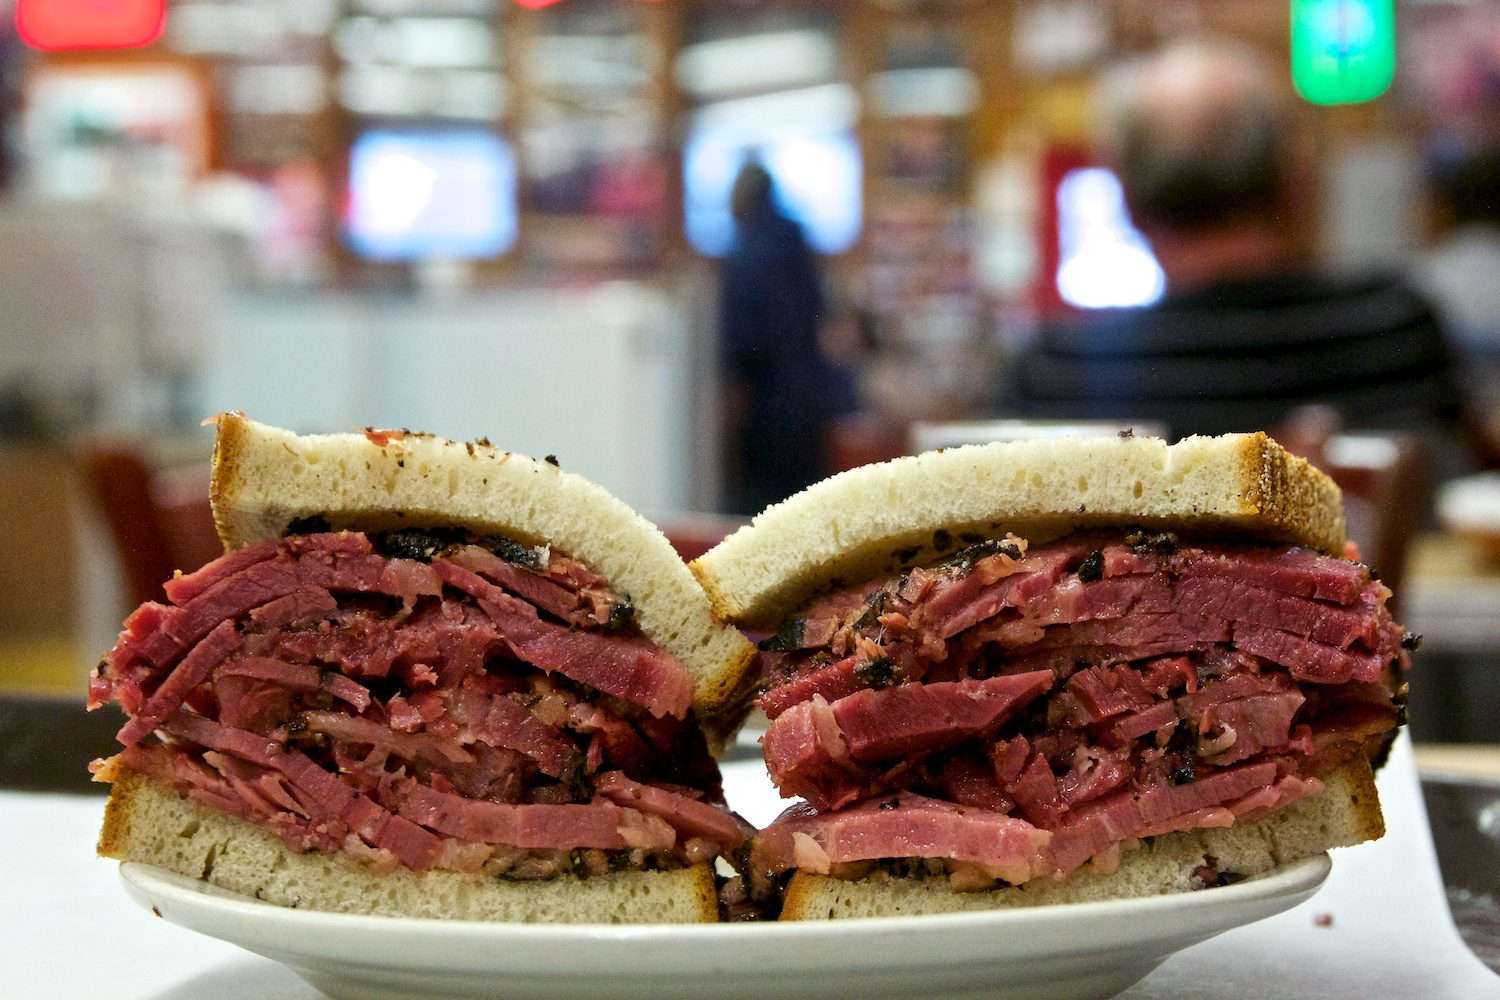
x,y
1465,760
69,930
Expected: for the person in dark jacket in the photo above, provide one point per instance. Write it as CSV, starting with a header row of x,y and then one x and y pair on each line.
x,y
779,389
1204,137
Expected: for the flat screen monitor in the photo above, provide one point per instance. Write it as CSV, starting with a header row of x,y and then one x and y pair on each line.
x,y
818,179
1103,260
431,194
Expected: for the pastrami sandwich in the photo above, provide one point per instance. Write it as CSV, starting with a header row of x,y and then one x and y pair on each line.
x,y
427,678
1048,671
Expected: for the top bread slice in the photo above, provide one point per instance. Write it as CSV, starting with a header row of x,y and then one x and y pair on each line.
x,y
264,479
877,518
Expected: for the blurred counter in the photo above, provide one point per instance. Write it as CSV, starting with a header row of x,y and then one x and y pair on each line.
x,y
1469,760
1452,596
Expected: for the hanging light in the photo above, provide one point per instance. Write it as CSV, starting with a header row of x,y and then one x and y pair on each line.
x,y
1343,51
55,25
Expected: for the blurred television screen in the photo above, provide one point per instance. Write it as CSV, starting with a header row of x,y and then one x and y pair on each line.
x,y
430,194
818,180
1104,261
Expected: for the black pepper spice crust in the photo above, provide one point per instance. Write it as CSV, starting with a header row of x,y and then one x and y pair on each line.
x,y
622,615
413,543
424,544
1092,567
787,638
874,608
965,558
881,673
1180,753
1141,542
513,551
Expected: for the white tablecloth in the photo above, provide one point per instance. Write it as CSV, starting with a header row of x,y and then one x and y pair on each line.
x,y
69,932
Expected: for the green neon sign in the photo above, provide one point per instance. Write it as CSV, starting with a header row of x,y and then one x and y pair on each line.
x,y
1343,51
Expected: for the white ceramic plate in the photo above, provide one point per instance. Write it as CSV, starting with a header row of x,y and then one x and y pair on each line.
x,y
1076,951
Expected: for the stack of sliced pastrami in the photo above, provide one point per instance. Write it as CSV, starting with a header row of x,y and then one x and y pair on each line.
x,y
421,699
1016,711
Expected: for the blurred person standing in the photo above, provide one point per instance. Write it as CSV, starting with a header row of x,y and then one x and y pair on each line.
x,y
780,390
1214,164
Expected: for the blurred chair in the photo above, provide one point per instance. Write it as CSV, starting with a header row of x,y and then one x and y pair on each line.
x,y
1383,477
694,534
180,495
857,439
160,522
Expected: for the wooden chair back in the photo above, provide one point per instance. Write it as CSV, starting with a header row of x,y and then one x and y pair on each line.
x,y
157,524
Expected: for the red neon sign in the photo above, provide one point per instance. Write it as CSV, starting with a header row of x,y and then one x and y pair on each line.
x,y
55,25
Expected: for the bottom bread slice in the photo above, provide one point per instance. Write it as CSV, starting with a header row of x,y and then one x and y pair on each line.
x,y
148,822
1346,812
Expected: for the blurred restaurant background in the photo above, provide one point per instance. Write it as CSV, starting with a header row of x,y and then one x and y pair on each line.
x,y
707,251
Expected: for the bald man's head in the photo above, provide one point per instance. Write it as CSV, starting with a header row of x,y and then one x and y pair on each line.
x,y
1201,134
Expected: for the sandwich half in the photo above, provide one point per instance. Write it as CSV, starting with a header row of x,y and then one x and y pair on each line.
x,y
1040,672
428,678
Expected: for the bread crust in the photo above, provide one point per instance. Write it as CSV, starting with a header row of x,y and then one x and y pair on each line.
x,y
1345,813
265,478
147,822
878,517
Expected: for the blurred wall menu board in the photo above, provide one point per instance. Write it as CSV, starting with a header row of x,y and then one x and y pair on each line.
x,y
921,95
421,59
595,175
114,129
424,90
266,62
927,326
772,84
274,122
